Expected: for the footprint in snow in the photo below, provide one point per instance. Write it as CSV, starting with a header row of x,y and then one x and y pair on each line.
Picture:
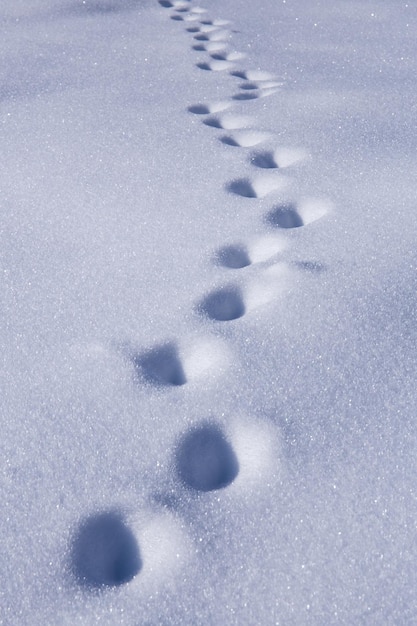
x,y
210,46
279,158
260,250
294,215
215,66
223,304
228,56
205,460
245,138
253,93
209,107
257,187
228,121
216,22
214,36
178,5
104,552
247,95
233,256
161,365
254,75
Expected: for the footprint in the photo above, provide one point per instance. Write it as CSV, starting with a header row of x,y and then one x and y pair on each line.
x,y
104,552
161,365
279,158
215,66
216,22
285,215
178,5
260,250
258,187
247,95
209,107
295,215
253,75
234,256
215,36
228,56
224,304
210,46
205,460
248,86
245,138
228,121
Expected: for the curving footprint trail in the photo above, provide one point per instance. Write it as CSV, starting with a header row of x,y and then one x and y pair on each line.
x,y
106,549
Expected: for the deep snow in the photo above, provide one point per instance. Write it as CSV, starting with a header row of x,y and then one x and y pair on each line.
x,y
209,312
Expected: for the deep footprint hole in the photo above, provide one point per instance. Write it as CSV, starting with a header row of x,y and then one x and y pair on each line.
x,y
161,366
205,460
224,305
248,86
247,95
265,160
214,122
199,109
285,216
230,141
242,187
238,74
104,552
233,257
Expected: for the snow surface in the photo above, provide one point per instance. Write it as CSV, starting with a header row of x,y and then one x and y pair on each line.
x,y
208,256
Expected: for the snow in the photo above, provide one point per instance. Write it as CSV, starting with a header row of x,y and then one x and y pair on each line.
x,y
208,256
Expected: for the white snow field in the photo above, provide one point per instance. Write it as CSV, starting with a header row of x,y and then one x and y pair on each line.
x,y
208,303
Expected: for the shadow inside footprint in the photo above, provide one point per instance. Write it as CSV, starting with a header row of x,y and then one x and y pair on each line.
x,y
284,216
161,365
233,257
265,160
247,95
205,460
105,552
223,305
166,4
204,66
199,109
242,187
214,122
248,86
238,74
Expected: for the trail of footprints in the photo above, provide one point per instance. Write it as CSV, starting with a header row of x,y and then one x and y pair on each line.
x,y
109,549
